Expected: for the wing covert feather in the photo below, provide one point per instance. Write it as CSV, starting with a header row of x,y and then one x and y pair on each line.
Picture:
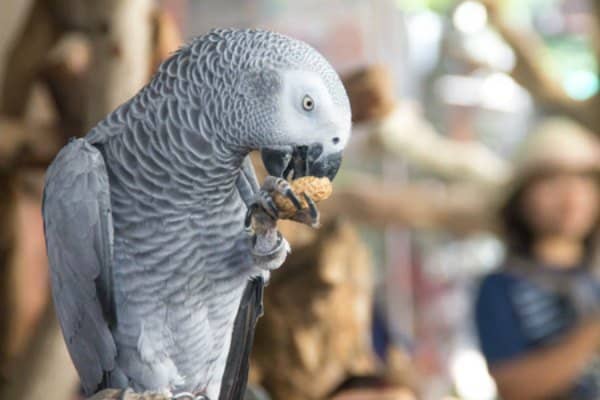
x,y
78,228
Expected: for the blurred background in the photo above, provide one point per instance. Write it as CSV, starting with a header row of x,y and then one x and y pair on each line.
x,y
460,108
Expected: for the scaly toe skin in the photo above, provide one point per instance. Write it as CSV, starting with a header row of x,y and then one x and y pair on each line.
x,y
274,258
264,200
267,245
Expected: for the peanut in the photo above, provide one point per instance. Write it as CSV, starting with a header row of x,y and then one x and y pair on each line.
x,y
317,189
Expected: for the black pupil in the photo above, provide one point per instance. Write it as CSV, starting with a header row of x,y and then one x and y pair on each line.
x,y
308,103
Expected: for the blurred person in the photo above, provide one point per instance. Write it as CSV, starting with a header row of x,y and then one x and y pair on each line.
x,y
538,317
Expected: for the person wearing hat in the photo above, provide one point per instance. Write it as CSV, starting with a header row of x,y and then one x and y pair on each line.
x,y
538,316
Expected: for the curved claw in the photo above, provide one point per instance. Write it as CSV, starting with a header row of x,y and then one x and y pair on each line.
x,y
248,218
289,193
313,210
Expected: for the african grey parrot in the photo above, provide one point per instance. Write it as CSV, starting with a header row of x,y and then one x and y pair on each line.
x,y
152,219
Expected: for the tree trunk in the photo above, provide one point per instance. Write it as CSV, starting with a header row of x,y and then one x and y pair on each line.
x,y
121,35
26,57
46,371
316,327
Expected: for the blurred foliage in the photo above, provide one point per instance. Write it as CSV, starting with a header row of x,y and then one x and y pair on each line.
x,y
572,60
439,6
570,57
521,8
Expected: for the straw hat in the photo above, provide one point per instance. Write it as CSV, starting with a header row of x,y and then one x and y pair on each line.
x,y
557,144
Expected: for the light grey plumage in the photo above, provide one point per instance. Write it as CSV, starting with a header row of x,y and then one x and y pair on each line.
x,y
150,304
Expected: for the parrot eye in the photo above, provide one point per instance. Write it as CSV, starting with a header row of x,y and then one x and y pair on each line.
x,y
308,103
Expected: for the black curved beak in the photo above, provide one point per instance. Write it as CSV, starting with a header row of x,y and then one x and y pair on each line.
x,y
301,161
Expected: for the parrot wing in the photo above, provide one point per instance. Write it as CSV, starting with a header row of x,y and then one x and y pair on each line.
x,y
79,233
233,384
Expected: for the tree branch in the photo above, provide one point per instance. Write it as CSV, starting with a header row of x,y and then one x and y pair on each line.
x,y
25,60
7,246
121,47
530,73
460,209
595,28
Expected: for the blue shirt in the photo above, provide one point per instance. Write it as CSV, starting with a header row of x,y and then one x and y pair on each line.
x,y
514,315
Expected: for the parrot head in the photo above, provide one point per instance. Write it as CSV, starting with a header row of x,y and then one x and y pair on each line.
x,y
297,112
313,127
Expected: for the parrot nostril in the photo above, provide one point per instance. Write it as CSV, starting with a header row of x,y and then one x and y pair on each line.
x,y
336,140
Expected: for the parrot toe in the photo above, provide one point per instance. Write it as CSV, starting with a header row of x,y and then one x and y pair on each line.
x,y
310,215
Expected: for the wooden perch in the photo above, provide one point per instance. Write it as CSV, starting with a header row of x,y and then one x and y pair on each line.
x,y
117,394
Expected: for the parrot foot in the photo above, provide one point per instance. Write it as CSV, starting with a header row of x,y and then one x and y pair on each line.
x,y
269,249
189,396
264,199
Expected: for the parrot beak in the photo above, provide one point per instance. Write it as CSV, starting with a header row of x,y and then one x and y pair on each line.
x,y
301,161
